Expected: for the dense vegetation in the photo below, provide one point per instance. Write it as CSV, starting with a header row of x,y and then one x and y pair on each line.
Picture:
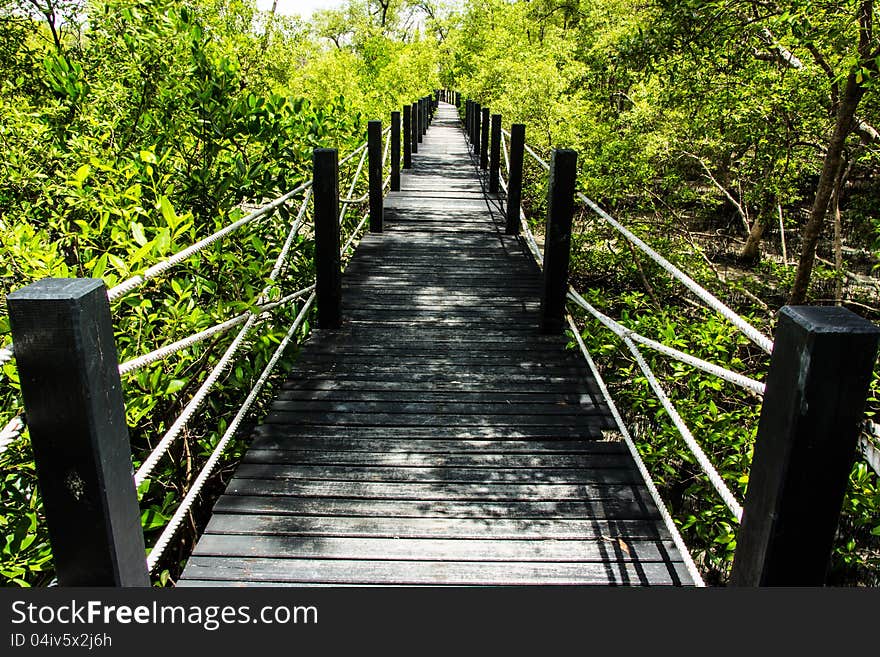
x,y
735,137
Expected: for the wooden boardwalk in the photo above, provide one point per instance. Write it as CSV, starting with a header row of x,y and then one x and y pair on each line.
x,y
437,438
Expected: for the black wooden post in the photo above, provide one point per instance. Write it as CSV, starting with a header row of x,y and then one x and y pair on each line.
x,y
420,108
807,435
467,119
557,244
395,151
458,99
328,274
374,166
514,177
414,136
484,139
475,128
67,364
407,137
495,156
426,115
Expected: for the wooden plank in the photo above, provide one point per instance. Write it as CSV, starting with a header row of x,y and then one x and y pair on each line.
x,y
434,549
606,509
460,528
318,571
437,474
426,492
269,438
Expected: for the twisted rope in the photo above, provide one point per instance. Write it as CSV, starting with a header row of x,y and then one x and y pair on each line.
x,y
162,353
640,464
135,282
11,432
179,515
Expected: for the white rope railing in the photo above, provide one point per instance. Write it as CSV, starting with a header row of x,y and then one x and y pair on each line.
x,y
162,353
186,504
11,432
707,297
159,268
349,200
7,354
637,457
706,465
710,368
201,394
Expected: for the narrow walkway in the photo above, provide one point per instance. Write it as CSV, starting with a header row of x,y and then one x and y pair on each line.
x,y
437,438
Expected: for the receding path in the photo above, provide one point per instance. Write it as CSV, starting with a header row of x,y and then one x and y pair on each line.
x,y
437,438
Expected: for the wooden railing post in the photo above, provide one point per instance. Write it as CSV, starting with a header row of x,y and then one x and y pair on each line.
x,y
395,151
407,137
484,140
514,179
813,407
69,373
420,107
414,136
328,272
468,111
374,167
495,156
475,128
458,99
557,244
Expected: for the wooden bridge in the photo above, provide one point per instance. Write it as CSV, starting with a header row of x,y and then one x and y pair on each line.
x,y
435,429
437,437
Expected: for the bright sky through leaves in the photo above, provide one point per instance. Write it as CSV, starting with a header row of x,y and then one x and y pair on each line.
x,y
301,7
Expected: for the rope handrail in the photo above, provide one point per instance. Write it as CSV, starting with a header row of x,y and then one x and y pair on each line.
x,y
710,368
348,200
201,394
637,457
186,504
11,432
157,355
695,449
159,268
707,297
7,354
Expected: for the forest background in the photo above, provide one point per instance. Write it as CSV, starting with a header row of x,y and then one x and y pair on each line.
x,y
737,137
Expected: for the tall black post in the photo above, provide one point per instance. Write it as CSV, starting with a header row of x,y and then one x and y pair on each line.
x,y
475,128
495,156
69,373
374,165
407,136
328,272
514,180
484,140
813,407
458,99
557,244
414,136
395,151
467,119
420,105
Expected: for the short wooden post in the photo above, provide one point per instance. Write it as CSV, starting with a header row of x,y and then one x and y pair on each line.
x,y
414,135
426,114
395,151
458,99
484,139
67,364
467,119
475,128
514,179
374,167
328,266
420,107
495,156
813,407
407,136
557,244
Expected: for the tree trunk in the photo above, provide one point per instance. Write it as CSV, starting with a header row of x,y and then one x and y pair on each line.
x,y
751,251
852,95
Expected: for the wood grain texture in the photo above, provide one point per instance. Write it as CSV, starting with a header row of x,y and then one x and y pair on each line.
x,y
437,437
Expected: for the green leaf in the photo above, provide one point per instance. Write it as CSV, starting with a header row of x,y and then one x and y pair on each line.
x,y
137,231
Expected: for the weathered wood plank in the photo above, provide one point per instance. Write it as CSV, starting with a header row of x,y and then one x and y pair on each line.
x,y
319,571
